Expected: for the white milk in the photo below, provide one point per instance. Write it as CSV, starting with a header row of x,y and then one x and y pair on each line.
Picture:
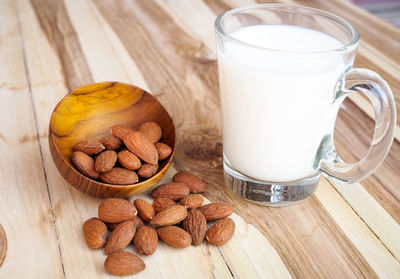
x,y
277,106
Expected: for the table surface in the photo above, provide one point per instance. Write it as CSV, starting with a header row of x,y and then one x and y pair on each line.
x,y
167,47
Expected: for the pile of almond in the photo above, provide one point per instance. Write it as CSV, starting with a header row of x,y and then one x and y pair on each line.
x,y
177,217
109,160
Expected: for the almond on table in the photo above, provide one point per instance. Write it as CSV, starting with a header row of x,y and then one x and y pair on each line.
x,y
170,216
173,191
216,210
95,232
136,220
115,210
196,225
195,184
192,201
161,203
123,263
174,236
145,210
221,232
146,240
121,236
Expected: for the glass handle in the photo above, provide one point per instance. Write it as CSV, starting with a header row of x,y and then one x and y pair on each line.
x,y
381,97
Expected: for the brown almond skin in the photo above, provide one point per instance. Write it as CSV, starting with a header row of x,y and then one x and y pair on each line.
x,y
89,147
159,204
111,142
196,225
173,191
151,130
138,144
147,170
95,232
170,216
221,232
119,176
120,237
163,151
105,161
195,184
129,160
123,263
216,210
174,236
136,219
145,210
120,131
192,201
146,240
85,164
115,210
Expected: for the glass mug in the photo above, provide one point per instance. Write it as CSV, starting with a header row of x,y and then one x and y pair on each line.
x,y
279,104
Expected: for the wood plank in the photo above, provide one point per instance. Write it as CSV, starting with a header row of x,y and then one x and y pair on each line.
x,y
25,209
383,262
208,146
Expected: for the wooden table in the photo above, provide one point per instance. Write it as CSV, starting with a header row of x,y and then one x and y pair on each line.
x,y
167,47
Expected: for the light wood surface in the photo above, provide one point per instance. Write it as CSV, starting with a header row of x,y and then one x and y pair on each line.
x,y
167,47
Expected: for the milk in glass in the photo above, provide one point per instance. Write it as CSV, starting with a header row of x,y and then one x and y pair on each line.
x,y
277,104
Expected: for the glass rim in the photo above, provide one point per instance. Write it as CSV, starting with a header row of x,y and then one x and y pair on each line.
x,y
351,45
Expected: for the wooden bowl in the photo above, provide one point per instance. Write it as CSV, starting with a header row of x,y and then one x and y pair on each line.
x,y
88,113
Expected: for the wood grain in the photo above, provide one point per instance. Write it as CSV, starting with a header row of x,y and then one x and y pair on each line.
x,y
167,48
3,245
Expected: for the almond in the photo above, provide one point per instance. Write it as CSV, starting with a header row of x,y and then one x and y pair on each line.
x,y
119,176
89,147
174,236
111,142
123,263
151,130
145,210
173,191
115,210
120,237
146,240
170,216
85,164
105,161
147,170
216,210
192,201
195,184
221,232
95,232
159,204
129,160
196,225
120,131
139,145
136,219
163,150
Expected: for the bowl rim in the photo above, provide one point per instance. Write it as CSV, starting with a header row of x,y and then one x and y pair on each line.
x,y
72,167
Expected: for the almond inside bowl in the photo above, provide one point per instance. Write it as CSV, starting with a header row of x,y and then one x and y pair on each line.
x,y
88,113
